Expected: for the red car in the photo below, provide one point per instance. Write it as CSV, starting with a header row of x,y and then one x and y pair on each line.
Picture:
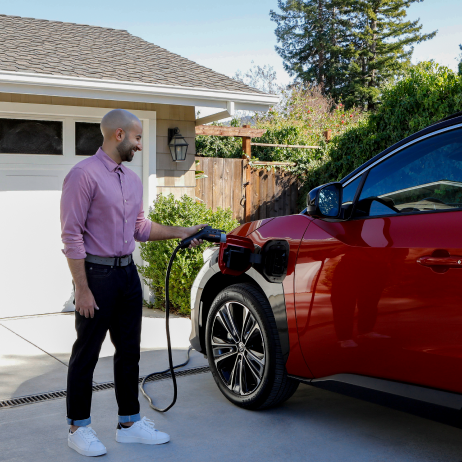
x,y
363,287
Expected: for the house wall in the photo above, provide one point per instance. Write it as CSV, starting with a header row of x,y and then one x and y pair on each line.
x,y
172,177
43,175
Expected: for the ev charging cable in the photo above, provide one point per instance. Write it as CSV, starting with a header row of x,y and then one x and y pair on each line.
x,y
206,234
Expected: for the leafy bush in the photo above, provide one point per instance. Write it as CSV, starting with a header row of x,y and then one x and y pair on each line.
x,y
301,118
428,93
183,212
219,146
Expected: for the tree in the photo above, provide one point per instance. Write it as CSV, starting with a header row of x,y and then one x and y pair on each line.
x,y
350,47
262,78
311,34
383,40
460,61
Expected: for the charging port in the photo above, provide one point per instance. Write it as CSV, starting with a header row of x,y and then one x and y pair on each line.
x,y
236,258
275,258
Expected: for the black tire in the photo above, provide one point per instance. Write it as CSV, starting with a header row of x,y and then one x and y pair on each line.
x,y
246,358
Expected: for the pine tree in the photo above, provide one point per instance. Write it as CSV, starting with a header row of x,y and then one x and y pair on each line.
x,y
311,34
349,47
383,40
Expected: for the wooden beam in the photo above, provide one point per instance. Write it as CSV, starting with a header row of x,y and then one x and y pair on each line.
x,y
229,131
274,164
286,146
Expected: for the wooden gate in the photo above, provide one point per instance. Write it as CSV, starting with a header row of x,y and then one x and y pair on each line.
x,y
272,192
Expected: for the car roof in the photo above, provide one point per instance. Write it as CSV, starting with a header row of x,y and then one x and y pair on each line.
x,y
453,119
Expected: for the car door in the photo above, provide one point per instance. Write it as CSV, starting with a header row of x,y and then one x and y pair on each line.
x,y
379,294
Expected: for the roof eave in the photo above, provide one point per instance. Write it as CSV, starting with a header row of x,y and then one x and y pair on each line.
x,y
115,90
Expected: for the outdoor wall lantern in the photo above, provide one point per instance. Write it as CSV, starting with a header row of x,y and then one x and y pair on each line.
x,y
177,144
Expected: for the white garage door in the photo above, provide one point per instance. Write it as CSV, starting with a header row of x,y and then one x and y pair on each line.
x,y
34,275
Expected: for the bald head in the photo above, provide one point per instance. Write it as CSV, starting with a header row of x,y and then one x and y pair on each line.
x,y
118,118
122,135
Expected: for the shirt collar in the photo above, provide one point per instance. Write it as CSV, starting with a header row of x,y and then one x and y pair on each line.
x,y
109,163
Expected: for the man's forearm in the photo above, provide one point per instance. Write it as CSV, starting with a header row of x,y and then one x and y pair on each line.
x,y
79,276
161,232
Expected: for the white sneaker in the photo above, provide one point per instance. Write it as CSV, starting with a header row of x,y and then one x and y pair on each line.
x,y
142,431
85,442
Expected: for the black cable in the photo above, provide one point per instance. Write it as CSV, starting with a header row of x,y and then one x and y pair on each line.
x,y
171,367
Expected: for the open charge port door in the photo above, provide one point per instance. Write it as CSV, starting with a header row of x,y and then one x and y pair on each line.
x,y
237,255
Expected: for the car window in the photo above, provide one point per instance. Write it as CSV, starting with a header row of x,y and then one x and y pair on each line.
x,y
349,191
426,176
348,195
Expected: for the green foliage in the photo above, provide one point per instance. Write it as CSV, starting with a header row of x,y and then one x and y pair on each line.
x,y
301,118
309,33
427,94
183,212
460,61
383,48
219,146
349,47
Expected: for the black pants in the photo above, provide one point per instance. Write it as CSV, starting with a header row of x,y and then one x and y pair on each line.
x,y
118,295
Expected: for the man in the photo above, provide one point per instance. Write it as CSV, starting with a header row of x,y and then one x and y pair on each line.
x,y
101,217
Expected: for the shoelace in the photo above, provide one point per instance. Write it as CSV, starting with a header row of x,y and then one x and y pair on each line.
x,y
148,423
89,434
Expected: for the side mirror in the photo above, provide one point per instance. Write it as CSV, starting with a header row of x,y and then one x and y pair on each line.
x,y
325,201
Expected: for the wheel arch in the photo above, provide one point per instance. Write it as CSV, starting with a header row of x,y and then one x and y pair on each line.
x,y
274,293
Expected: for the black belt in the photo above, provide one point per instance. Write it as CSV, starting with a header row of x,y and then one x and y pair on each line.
x,y
125,260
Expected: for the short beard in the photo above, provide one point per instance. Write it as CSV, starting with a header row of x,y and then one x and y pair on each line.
x,y
125,149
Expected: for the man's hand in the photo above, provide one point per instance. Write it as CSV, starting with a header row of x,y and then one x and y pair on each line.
x,y
85,302
193,230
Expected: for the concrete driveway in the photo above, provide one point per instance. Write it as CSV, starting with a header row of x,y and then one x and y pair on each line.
x,y
314,425
35,351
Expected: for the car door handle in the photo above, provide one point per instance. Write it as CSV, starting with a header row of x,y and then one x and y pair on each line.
x,y
453,261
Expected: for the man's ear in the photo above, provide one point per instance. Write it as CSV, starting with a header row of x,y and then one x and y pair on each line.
x,y
119,134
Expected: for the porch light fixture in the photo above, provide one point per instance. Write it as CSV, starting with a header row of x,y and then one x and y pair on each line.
x,y
177,144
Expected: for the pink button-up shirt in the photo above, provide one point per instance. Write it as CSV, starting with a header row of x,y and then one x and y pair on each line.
x,y
102,209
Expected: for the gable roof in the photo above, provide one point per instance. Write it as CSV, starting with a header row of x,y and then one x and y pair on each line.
x,y
76,50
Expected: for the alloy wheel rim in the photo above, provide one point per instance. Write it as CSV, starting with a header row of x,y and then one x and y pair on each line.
x,y
238,348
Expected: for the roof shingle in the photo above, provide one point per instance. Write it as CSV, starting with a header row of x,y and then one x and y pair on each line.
x,y
60,48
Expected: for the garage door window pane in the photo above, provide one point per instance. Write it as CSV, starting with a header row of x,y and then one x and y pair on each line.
x,y
88,138
426,176
18,136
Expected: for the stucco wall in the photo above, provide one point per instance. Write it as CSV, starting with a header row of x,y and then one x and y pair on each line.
x,y
172,177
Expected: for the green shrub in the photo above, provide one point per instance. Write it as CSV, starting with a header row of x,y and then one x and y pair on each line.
x,y
427,94
301,118
183,212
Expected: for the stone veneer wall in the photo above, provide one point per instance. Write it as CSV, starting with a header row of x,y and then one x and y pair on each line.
x,y
172,177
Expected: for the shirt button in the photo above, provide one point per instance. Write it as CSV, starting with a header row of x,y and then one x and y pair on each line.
x,y
125,200
125,242
125,221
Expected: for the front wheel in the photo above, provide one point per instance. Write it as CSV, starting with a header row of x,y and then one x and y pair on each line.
x,y
244,351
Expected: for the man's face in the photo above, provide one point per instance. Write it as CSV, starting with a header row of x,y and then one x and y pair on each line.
x,y
131,143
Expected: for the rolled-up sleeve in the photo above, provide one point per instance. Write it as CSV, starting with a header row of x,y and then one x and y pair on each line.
x,y
75,202
142,227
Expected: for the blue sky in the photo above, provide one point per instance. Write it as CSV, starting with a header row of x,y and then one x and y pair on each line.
x,y
226,36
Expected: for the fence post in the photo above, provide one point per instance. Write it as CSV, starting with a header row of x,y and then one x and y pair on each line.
x,y
246,148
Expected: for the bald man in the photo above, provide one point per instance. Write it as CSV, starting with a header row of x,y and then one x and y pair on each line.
x,y
101,217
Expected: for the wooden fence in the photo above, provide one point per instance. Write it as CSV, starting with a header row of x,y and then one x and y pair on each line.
x,y
271,192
